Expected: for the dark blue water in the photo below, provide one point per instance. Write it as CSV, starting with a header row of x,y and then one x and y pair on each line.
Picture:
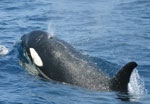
x,y
111,32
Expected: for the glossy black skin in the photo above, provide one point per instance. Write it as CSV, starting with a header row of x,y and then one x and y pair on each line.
x,y
62,63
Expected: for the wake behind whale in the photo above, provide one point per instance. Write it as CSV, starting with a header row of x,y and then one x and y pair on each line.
x,y
56,60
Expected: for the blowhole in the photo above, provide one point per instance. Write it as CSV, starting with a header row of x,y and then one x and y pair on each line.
x,y
50,36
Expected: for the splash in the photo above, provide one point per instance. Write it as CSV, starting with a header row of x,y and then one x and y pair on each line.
x,y
3,50
136,86
50,30
31,68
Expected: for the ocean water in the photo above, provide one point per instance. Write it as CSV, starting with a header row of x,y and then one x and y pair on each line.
x,y
111,32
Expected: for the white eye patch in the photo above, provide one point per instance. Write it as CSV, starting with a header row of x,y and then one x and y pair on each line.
x,y
36,58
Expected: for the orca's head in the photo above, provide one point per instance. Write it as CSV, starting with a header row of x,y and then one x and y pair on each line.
x,y
46,53
31,44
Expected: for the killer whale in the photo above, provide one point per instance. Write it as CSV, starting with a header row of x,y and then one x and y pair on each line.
x,y
57,60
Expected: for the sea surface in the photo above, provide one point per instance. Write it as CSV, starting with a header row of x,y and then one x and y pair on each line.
x,y
111,32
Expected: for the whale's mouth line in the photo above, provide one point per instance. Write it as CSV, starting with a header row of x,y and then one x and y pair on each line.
x,y
27,62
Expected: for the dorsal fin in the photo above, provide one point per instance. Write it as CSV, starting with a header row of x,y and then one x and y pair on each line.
x,y
121,80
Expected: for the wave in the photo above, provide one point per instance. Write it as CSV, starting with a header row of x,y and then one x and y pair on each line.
x,y
3,50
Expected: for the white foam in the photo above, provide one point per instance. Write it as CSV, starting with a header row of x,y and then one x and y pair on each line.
x,y
3,50
136,85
